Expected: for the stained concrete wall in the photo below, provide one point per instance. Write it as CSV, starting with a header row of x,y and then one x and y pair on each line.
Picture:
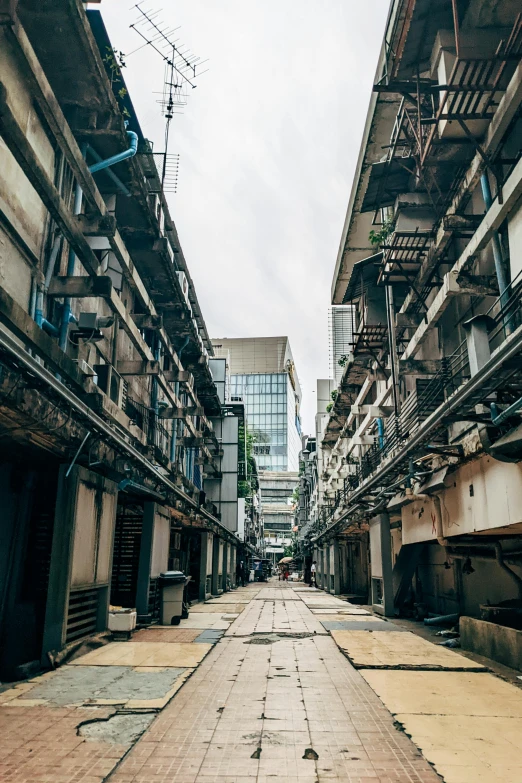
x,y
481,495
491,640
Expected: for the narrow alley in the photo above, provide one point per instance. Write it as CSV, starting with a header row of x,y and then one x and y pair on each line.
x,y
274,698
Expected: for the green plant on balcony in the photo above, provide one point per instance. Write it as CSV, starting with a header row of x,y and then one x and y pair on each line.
x,y
329,407
378,238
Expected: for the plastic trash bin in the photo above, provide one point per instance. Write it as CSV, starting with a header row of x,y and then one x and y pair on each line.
x,y
172,588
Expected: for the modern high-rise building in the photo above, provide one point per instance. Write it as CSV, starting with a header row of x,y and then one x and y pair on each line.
x,y
262,372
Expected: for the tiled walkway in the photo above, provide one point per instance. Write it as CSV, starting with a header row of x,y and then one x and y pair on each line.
x,y
275,700
265,684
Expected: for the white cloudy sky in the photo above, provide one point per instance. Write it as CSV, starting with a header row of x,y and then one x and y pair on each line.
x,y
268,145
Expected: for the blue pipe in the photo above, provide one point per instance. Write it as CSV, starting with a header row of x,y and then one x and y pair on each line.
x,y
157,357
380,430
117,181
78,198
39,316
500,269
498,418
48,327
52,262
129,153
32,301
173,438
71,261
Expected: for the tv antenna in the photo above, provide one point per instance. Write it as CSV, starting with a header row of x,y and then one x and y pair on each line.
x,y
181,69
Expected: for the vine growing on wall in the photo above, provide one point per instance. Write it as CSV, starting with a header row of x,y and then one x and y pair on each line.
x,y
114,61
249,484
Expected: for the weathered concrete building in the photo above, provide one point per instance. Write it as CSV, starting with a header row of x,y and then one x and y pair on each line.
x,y
423,444
112,460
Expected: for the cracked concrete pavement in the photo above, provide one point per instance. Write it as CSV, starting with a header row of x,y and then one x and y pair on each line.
x,y
296,685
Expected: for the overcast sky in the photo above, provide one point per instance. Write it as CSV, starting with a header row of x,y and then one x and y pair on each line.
x,y
268,145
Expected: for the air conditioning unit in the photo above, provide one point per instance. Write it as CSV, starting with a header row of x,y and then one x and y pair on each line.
x,y
85,368
170,252
155,205
183,282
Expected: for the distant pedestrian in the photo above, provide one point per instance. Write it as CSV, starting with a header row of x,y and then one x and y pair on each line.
x,y
313,574
286,575
240,573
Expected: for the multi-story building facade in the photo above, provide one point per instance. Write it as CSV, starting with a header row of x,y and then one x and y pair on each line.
x,y
423,440
108,405
277,490
263,374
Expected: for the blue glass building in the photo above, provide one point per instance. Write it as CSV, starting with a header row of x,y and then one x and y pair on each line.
x,y
262,373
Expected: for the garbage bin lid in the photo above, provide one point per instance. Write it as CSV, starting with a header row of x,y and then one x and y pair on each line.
x,y
172,577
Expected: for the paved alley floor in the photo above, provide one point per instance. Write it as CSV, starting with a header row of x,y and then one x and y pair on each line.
x,y
266,683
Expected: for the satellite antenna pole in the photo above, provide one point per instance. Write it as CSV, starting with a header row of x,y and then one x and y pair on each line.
x,y
180,72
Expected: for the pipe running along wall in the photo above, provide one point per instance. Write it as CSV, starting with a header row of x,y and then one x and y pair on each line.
x,y
448,544
500,269
77,208
174,433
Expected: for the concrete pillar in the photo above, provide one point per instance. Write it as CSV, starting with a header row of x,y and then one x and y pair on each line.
x,y
226,554
146,542
336,567
327,569
206,556
233,565
61,558
214,582
382,569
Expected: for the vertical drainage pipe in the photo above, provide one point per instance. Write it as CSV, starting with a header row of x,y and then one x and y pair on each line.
x,y
392,344
78,198
71,261
173,438
380,430
500,269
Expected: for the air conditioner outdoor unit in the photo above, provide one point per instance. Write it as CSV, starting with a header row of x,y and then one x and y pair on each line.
x,y
155,204
85,368
170,252
182,280
156,207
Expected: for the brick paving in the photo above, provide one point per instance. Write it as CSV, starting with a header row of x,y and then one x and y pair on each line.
x,y
274,699
264,708
41,745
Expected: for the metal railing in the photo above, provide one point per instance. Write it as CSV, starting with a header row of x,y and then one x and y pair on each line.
x,y
149,423
506,315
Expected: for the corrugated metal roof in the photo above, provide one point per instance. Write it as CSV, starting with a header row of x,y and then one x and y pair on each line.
x,y
363,273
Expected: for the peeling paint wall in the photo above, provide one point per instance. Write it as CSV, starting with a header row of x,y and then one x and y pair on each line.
x,y
481,495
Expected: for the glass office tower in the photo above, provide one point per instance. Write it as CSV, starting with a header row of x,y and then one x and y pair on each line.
x,y
262,373
272,419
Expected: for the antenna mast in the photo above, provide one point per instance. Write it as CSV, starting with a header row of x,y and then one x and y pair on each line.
x,y
181,70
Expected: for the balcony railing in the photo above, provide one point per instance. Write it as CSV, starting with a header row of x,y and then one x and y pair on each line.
x,y
149,423
506,315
